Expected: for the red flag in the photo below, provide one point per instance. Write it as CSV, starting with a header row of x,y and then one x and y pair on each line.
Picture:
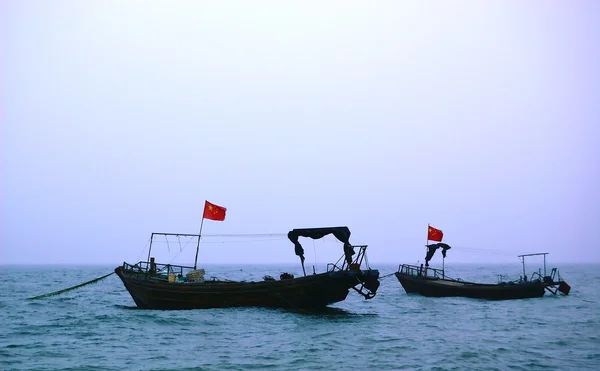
x,y
434,234
214,212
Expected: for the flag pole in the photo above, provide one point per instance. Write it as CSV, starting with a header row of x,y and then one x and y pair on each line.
x,y
198,245
427,240
199,234
426,250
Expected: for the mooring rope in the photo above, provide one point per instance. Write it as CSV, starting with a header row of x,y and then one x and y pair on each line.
x,y
71,288
387,275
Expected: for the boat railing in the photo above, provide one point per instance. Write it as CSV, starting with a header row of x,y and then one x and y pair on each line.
x,y
553,277
332,267
152,268
342,264
421,271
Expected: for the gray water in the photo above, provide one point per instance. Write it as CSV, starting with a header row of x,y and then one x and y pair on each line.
x,y
98,327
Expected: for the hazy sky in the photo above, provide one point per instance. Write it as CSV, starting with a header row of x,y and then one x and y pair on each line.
x,y
119,118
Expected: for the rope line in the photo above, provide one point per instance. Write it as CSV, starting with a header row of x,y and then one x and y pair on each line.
x,y
386,276
239,241
71,288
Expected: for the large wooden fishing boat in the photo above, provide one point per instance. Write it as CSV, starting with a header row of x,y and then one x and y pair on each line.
x,y
434,282
163,286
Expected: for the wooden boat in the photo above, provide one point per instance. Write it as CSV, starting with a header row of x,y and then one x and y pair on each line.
x,y
433,282
163,286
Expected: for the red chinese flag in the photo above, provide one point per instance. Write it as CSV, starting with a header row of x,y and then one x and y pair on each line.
x,y
434,234
214,212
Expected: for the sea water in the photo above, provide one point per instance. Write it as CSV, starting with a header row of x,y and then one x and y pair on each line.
x,y
98,327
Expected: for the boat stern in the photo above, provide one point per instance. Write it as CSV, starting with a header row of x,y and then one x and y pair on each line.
x,y
367,282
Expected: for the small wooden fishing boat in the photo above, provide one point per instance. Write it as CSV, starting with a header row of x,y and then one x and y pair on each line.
x,y
433,282
164,286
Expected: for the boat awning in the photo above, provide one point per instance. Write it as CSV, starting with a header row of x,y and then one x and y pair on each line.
x,y
432,248
341,233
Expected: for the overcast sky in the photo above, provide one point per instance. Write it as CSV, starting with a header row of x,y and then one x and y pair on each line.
x,y
120,118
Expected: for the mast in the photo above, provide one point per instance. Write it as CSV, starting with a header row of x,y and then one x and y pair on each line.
x,y
522,257
544,265
150,248
443,272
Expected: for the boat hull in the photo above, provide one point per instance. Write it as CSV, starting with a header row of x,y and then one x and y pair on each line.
x,y
313,291
437,287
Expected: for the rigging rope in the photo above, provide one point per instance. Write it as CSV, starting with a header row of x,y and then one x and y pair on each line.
x,y
247,235
144,249
239,241
180,248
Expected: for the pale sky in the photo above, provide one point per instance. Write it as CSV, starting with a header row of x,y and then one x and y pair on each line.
x,y
120,118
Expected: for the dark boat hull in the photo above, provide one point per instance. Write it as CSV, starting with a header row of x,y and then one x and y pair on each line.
x,y
437,287
313,291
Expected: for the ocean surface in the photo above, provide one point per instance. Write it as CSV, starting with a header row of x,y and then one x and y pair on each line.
x,y
97,327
